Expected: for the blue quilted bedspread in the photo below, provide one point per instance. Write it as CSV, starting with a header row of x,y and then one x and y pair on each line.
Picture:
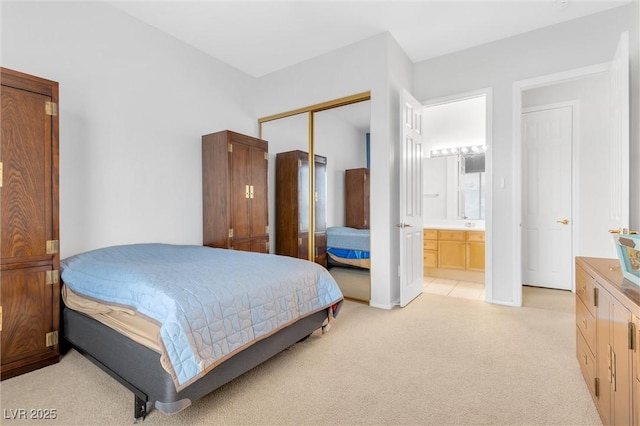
x,y
209,302
348,238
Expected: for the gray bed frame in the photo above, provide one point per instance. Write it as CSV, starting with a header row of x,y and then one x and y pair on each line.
x,y
138,367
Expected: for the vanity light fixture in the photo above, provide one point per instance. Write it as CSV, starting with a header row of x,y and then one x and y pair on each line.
x,y
457,150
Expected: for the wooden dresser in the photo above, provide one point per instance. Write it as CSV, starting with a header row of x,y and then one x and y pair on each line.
x,y
234,192
292,206
30,263
607,336
357,198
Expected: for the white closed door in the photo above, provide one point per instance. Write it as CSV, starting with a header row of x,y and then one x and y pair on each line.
x,y
547,226
410,226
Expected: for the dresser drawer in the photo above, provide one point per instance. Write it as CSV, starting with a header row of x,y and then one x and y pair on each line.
x,y
585,285
430,234
475,236
430,245
587,363
586,323
450,235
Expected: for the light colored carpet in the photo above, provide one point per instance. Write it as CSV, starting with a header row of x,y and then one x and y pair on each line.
x,y
545,298
441,360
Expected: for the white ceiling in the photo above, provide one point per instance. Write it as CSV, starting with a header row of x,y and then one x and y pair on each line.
x,y
261,37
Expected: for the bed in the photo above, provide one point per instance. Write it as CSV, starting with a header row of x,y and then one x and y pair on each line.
x,y
348,247
174,322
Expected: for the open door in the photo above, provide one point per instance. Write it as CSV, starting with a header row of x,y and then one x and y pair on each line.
x,y
410,226
619,179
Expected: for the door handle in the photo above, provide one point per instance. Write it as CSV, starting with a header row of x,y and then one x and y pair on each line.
x,y
403,225
563,221
622,231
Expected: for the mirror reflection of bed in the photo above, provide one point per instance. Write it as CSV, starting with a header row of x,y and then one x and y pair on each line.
x,y
342,136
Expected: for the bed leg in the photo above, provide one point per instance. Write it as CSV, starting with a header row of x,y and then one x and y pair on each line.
x,y
140,409
326,324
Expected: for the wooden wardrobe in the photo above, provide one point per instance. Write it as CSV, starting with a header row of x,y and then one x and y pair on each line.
x,y
292,206
357,198
234,192
29,241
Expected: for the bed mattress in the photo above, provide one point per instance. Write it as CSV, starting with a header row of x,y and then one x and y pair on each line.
x,y
341,237
349,246
207,303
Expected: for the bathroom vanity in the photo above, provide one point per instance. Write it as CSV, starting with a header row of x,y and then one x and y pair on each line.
x,y
454,252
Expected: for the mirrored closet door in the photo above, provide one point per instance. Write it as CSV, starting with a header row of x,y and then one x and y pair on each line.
x,y
326,194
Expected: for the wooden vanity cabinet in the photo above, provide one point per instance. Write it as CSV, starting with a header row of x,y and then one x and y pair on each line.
x,y
234,187
607,307
475,251
430,248
29,220
451,249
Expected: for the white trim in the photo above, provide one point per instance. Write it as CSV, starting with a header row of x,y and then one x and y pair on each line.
x,y
575,138
457,97
488,200
518,87
378,305
488,197
504,303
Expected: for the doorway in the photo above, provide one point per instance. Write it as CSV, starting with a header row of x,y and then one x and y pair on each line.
x,y
457,195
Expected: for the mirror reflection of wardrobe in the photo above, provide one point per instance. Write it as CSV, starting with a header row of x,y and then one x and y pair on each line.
x,y
339,141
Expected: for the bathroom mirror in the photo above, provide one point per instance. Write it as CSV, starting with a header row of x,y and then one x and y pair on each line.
x,y
454,187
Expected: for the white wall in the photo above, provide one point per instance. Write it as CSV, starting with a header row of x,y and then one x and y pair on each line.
x,y
377,65
592,157
134,104
455,124
582,42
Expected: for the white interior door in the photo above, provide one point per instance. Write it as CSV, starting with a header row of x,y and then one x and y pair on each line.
x,y
619,179
547,136
410,226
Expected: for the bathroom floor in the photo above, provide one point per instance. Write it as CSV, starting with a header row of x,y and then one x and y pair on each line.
x,y
454,288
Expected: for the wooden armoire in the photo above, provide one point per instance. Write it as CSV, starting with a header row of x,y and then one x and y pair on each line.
x,y
29,237
234,192
292,206
357,198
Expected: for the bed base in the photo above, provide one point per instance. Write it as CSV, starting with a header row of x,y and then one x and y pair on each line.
x,y
140,399
138,368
